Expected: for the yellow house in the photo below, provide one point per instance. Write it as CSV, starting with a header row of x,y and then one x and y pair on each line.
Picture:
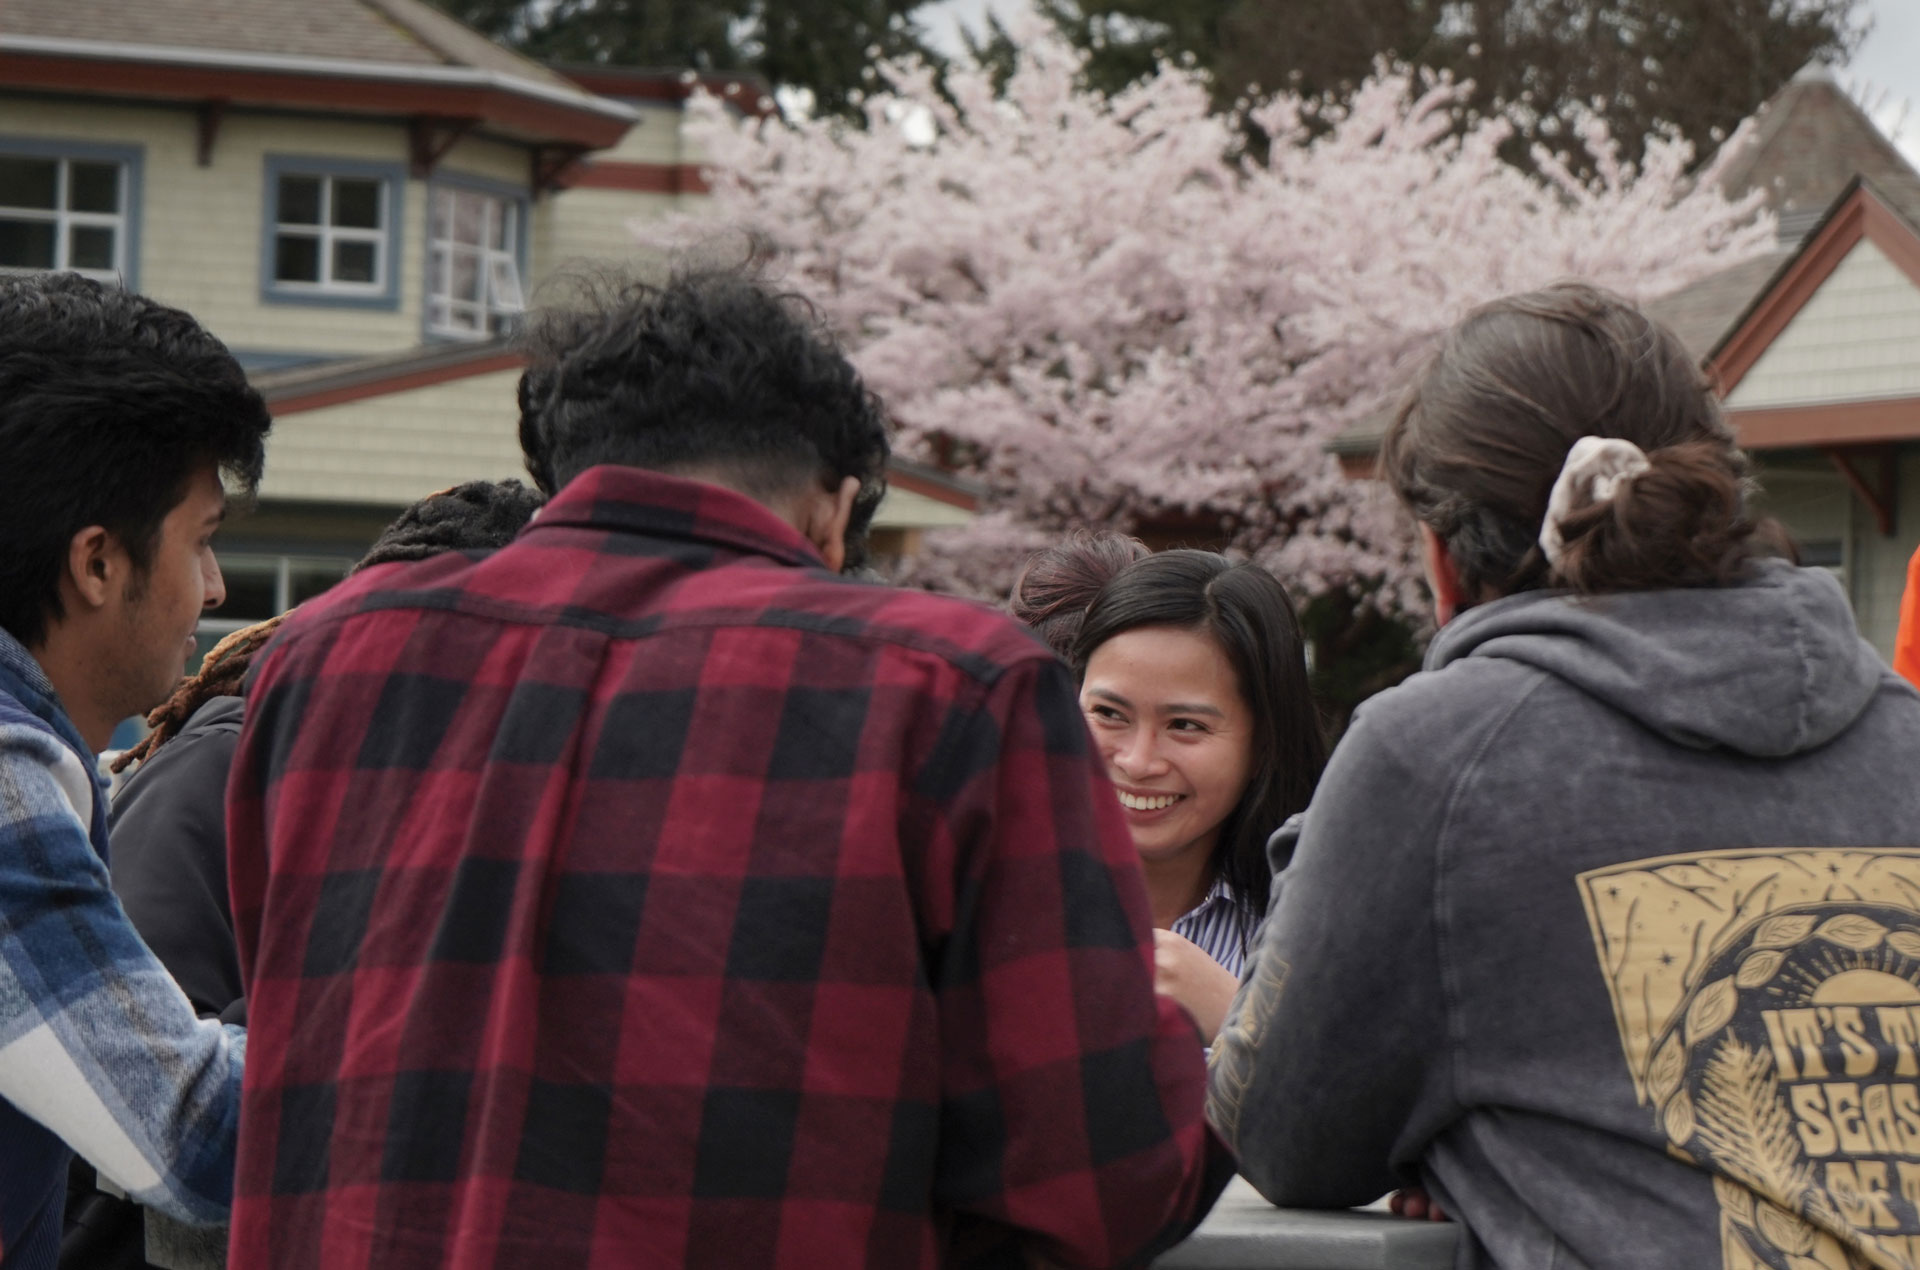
x,y
358,196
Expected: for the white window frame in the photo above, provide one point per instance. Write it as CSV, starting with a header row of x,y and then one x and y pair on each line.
x,y
65,220
498,268
327,234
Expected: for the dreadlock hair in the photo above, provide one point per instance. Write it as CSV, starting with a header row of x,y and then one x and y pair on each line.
x,y
477,516
220,675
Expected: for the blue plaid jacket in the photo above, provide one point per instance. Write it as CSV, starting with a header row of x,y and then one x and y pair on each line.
x,y
99,1050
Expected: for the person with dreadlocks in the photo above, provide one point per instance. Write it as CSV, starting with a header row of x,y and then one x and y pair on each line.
x,y
168,821
168,827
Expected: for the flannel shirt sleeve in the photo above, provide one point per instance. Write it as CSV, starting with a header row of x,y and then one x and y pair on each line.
x,y
97,1043
1072,1118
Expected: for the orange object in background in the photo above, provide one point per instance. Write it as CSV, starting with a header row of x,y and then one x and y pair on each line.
x,y
1906,644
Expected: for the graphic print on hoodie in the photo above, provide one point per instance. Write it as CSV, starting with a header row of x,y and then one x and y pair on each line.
x,y
1769,1005
1606,930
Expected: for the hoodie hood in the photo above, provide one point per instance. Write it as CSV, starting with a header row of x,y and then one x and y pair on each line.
x,y
1770,667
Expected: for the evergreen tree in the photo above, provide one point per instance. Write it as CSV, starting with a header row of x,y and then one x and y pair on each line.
x,y
826,47
1699,66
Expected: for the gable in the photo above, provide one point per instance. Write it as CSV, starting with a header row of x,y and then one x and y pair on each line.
x,y
1854,339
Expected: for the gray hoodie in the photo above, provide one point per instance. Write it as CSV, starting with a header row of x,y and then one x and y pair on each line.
x,y
1606,929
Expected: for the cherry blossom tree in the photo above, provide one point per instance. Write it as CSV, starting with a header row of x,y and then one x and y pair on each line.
x,y
1113,316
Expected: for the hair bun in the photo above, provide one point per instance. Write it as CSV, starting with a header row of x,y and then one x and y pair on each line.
x,y
1055,586
1680,522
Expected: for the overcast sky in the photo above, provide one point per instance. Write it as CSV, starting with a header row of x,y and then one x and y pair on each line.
x,y
1886,71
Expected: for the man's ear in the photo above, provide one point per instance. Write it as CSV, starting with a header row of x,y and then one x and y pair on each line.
x,y
1443,576
828,513
95,564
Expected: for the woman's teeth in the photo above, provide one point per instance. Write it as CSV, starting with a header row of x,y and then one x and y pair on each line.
x,y
1134,802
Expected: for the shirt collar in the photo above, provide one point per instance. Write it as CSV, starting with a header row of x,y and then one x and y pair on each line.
x,y
1218,893
634,500
23,679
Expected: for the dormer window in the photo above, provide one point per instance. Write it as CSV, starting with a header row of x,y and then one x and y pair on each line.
x,y
473,261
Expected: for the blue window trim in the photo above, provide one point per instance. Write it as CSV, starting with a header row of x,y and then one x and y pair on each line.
x,y
394,177
133,156
479,185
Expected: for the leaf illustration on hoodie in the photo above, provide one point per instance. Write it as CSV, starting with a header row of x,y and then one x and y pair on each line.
x,y
1711,1010
1783,931
1851,930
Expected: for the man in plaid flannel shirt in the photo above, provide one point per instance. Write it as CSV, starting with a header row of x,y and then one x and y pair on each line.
x,y
648,894
117,416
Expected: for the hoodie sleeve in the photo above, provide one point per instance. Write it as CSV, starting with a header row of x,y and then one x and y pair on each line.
x,y
96,1042
169,836
1336,1049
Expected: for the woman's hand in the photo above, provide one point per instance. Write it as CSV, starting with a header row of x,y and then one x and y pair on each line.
x,y
1415,1204
1198,982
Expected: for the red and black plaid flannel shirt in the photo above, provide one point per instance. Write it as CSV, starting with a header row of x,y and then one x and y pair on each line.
x,y
644,894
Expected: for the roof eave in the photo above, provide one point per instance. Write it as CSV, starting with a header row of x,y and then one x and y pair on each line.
x,y
541,112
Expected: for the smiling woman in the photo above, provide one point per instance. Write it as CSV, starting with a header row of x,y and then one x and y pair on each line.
x,y
1194,684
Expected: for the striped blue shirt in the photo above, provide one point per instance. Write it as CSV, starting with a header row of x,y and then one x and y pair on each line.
x,y
1221,926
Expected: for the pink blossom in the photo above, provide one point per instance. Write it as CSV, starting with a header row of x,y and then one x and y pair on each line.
x,y
1110,314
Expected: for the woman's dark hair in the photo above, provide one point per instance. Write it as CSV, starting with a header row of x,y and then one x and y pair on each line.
x,y
109,404
711,369
1245,610
1482,435
1056,585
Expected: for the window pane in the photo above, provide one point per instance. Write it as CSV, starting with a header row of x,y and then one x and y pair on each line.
x,y
470,217
90,247
309,580
93,187
441,214
296,258
249,592
29,182
466,276
503,227
299,200
356,204
26,244
506,284
353,262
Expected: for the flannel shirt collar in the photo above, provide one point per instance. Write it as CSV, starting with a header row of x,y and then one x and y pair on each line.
x,y
632,500
22,679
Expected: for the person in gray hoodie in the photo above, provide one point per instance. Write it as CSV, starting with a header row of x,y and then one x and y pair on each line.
x,y
1605,929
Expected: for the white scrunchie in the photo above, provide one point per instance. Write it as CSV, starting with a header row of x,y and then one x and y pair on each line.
x,y
1603,464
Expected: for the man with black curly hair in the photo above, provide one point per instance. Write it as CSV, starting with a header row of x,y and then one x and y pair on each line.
x,y
118,419
651,894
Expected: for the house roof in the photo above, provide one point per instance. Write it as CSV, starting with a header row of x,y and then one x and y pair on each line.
x,y
1810,148
353,56
1811,140
1703,313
